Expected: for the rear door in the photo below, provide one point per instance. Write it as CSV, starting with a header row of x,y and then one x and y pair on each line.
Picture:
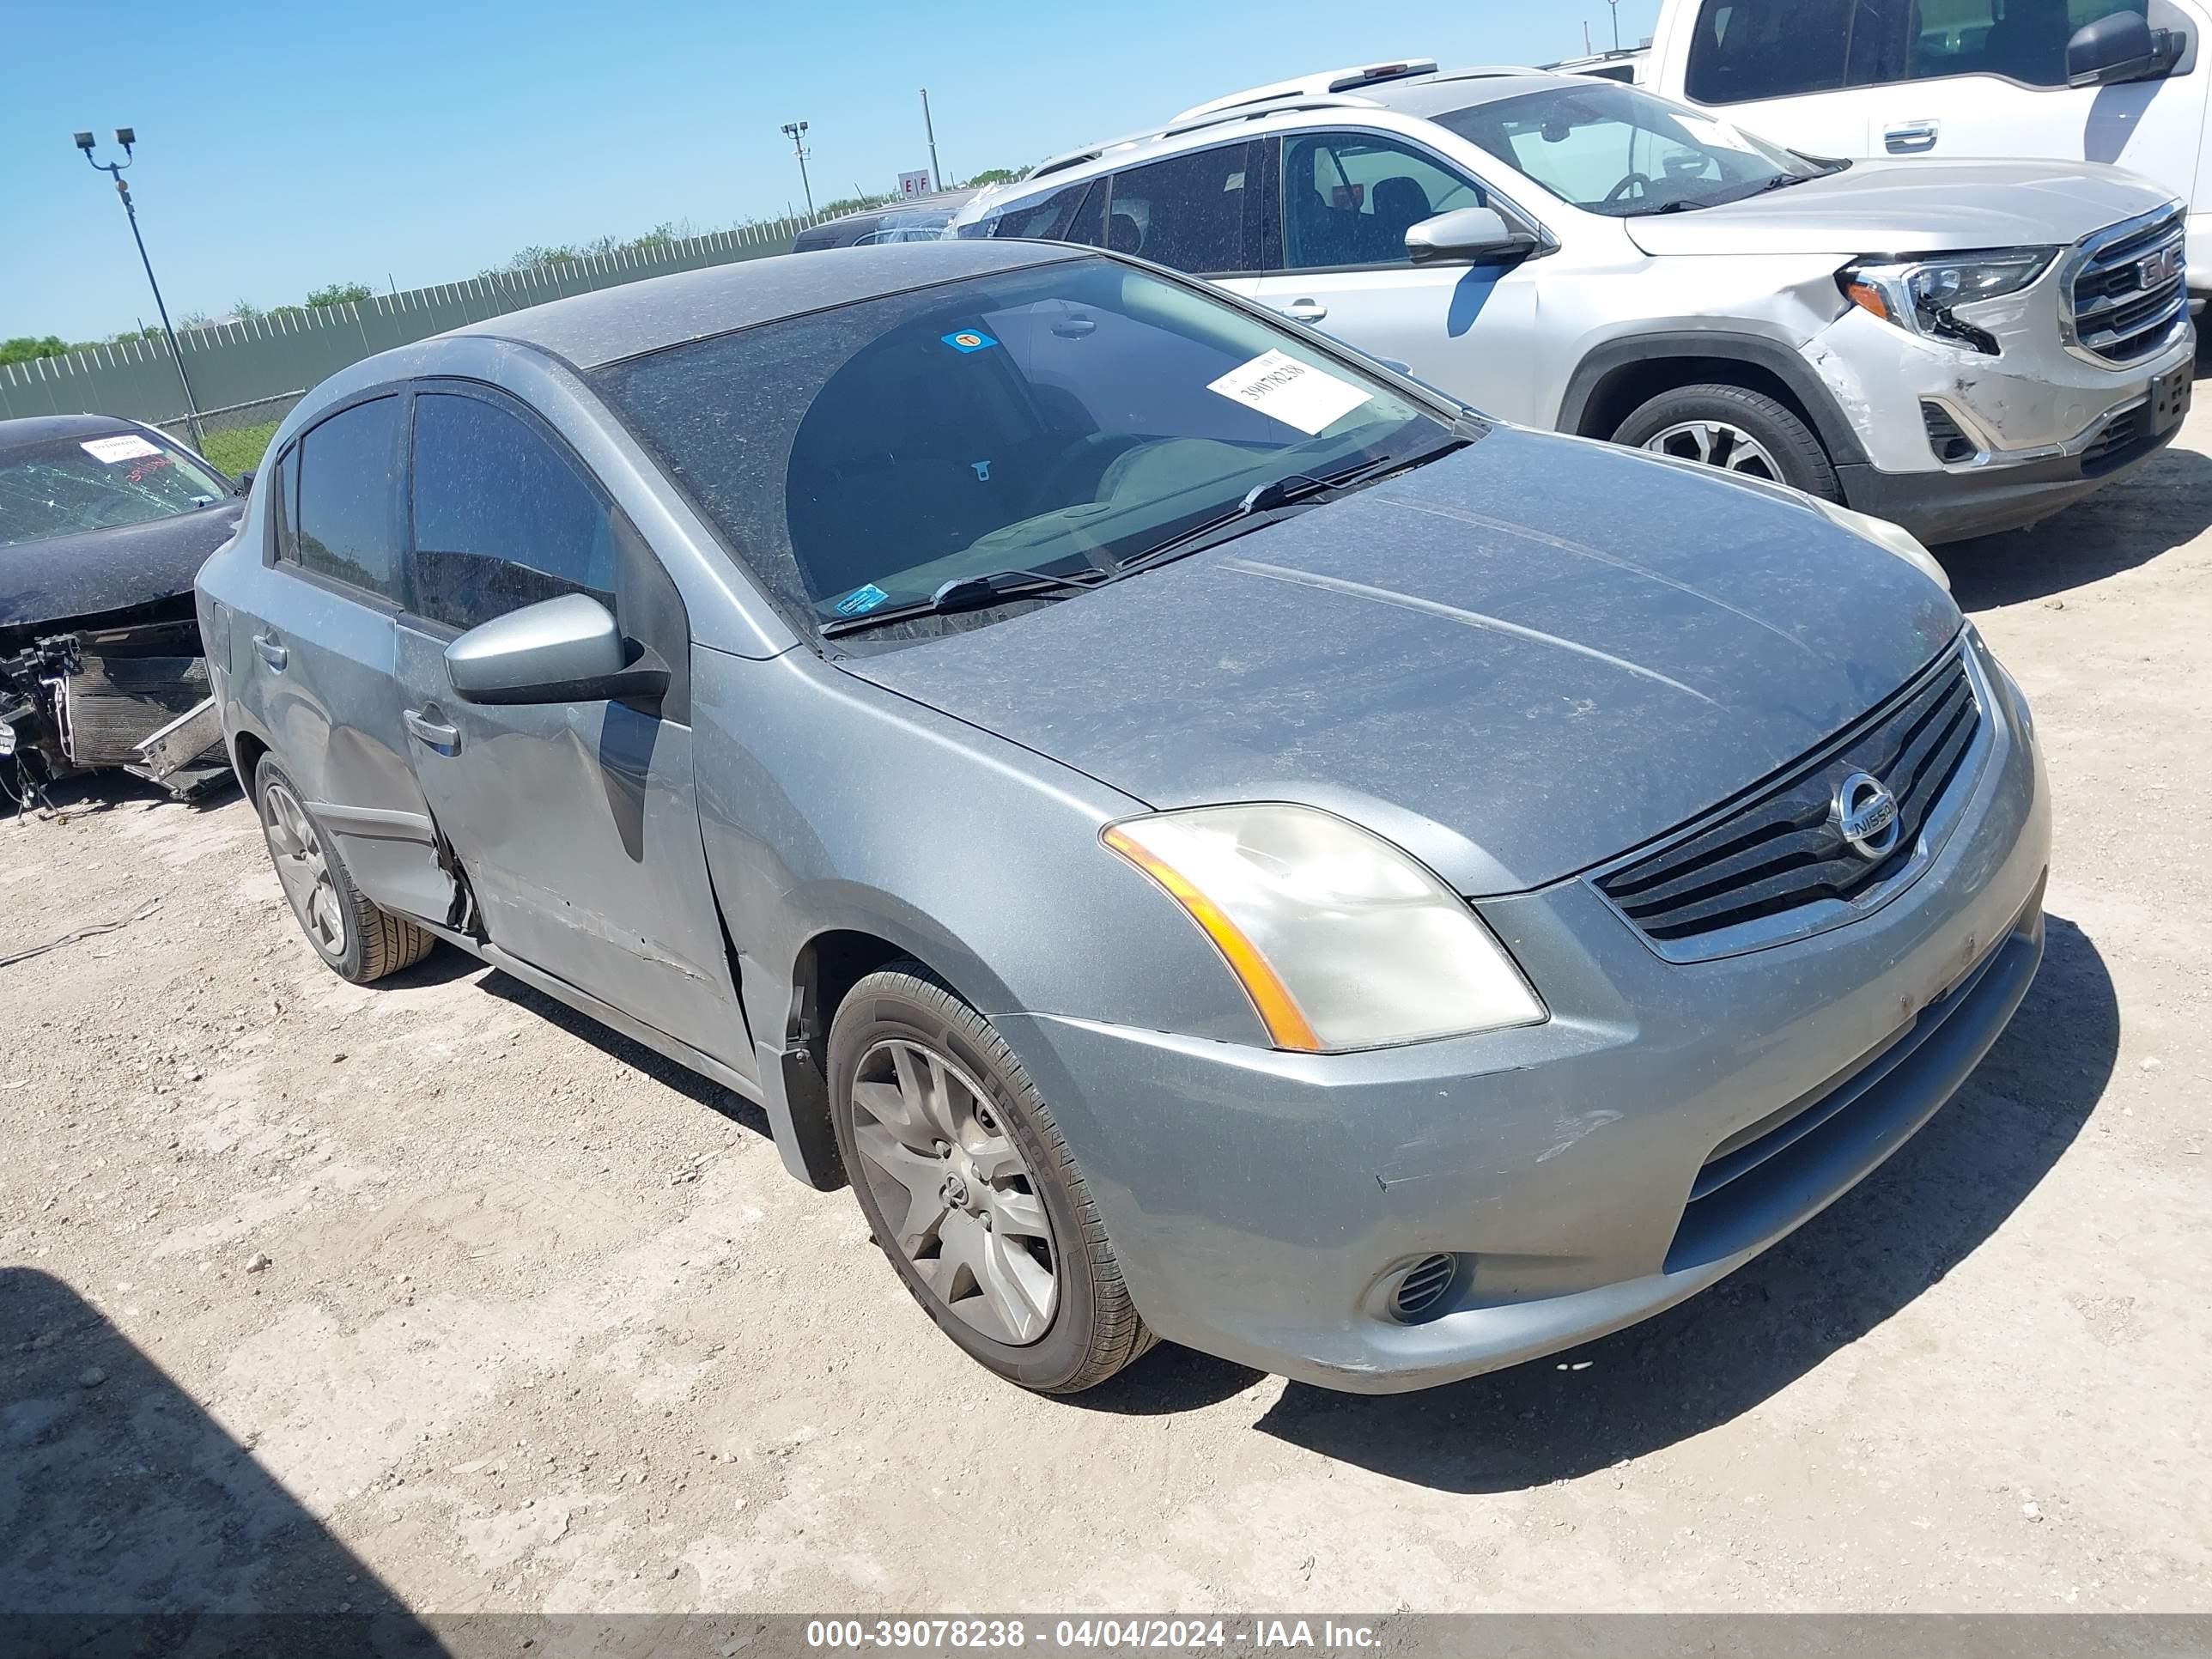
x,y
574,824
1347,197
317,661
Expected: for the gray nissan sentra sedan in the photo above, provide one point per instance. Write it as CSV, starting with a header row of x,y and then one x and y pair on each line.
x,y
1213,840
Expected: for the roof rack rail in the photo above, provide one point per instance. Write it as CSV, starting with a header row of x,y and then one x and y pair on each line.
x,y
1318,85
1191,121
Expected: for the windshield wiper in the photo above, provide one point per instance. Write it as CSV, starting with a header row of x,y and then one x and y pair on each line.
x,y
1275,494
1680,204
966,593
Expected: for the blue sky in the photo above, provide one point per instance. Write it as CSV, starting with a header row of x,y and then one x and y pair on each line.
x,y
285,146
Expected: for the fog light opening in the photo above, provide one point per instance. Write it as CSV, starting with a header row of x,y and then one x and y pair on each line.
x,y
1423,1290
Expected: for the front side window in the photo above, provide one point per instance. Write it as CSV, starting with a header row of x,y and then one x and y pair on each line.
x,y
1613,149
1193,212
1062,419
67,486
347,525
501,519
1350,197
2021,39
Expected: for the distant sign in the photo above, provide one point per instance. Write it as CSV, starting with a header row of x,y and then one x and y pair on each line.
x,y
912,184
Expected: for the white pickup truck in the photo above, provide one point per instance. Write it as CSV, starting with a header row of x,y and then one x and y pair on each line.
x,y
2114,81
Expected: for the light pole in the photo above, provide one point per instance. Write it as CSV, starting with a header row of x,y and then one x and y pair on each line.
x,y
1615,4
127,136
796,131
936,177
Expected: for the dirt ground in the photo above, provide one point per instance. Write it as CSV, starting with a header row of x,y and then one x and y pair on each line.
x,y
436,1297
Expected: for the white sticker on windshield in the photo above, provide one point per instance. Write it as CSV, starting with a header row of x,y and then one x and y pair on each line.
x,y
124,447
1284,389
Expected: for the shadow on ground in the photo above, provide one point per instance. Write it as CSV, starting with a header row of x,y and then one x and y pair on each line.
x,y
1723,1353
2165,505
131,1523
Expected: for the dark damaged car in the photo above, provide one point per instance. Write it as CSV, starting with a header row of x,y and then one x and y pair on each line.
x,y
103,522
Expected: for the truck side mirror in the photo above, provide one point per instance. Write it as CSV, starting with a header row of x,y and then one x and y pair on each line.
x,y
2121,46
1467,235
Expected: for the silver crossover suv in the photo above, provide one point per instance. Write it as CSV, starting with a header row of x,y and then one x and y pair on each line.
x,y
1959,346
1213,840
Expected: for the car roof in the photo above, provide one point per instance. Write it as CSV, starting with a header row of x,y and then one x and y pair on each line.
x,y
38,429
609,324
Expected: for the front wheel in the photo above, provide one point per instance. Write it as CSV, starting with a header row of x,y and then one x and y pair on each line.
x,y
1741,432
969,1190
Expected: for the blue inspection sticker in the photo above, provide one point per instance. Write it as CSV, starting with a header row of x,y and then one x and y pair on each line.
x,y
861,601
968,340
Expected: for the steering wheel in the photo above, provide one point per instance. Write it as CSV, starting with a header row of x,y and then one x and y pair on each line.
x,y
1640,182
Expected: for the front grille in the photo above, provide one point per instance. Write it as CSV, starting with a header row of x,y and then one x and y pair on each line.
x,y
1783,849
2117,315
1945,437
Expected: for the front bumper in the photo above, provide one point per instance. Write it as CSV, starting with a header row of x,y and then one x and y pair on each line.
x,y
1256,1200
2039,426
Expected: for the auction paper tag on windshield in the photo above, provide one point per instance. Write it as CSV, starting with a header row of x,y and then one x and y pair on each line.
x,y
123,448
1284,389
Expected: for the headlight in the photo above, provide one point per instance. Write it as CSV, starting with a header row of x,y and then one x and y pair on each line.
x,y
1894,536
1924,295
1341,939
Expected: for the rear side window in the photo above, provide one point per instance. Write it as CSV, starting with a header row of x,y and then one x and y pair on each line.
x,y
1077,214
502,518
1747,49
1193,212
347,525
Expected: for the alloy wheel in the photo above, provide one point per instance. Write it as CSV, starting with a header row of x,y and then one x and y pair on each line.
x,y
955,1190
1716,443
303,869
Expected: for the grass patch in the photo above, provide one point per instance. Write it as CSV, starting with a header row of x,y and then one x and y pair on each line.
x,y
237,450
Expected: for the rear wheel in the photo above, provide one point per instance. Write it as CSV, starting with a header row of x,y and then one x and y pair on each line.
x,y
970,1191
359,941
1736,430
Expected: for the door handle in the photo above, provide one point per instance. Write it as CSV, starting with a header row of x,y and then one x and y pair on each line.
x,y
1305,311
1910,137
446,740
272,652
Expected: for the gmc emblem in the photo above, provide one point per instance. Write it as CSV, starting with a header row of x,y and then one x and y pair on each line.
x,y
2162,267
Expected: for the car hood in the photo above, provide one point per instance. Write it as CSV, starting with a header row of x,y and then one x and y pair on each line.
x,y
105,570
1912,206
1517,661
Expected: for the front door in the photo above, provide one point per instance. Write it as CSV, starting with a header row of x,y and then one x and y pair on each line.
x,y
1347,199
574,824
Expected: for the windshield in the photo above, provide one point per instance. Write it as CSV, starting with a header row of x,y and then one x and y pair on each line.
x,y
1057,420
66,486
1610,148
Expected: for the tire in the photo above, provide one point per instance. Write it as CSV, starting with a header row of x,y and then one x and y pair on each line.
x,y
1672,423
888,1030
358,941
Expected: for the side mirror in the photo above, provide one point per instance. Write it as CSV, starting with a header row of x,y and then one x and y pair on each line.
x,y
2120,46
1466,234
563,650
244,484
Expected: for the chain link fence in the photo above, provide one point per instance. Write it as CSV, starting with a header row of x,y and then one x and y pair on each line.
x,y
235,437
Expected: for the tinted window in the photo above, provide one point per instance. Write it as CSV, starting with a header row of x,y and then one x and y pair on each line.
x,y
1054,419
502,519
2021,39
66,486
283,503
1077,214
1744,49
1349,198
348,527
1191,212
